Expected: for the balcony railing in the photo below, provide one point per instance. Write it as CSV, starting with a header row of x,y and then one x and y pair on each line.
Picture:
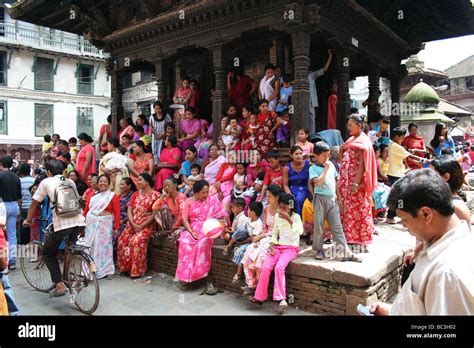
x,y
41,38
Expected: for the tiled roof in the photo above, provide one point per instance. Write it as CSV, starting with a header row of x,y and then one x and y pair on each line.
x,y
463,68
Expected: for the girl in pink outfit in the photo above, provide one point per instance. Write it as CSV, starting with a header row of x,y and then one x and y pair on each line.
x,y
284,247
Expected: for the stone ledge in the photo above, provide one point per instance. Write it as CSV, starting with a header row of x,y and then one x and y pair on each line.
x,y
327,287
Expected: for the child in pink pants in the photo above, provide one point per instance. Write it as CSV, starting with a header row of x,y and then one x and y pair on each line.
x,y
284,248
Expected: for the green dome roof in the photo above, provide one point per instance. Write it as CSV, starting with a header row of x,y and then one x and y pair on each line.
x,y
422,93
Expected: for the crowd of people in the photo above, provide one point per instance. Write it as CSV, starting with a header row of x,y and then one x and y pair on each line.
x,y
164,174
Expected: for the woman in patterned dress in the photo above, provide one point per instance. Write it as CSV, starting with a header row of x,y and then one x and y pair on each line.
x,y
142,162
102,214
127,191
195,249
268,122
358,179
133,243
158,130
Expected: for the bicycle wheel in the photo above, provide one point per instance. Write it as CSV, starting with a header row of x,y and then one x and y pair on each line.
x,y
83,283
34,268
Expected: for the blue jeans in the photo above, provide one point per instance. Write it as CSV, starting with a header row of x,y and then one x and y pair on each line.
x,y
8,291
13,210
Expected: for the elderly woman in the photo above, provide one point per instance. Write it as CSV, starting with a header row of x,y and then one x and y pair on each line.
x,y
194,253
133,243
357,181
211,166
85,162
191,127
102,214
127,127
142,163
295,178
170,161
118,172
256,253
168,210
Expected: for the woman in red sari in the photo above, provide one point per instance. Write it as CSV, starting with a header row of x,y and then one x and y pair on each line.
x,y
170,161
265,133
415,145
357,181
133,242
240,92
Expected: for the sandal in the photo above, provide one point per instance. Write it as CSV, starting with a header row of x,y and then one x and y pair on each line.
x,y
351,258
320,255
56,293
236,278
248,291
283,306
254,300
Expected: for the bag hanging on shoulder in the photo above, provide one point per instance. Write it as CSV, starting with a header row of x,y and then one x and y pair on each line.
x,y
66,201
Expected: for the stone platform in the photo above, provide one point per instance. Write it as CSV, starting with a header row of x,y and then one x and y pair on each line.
x,y
323,287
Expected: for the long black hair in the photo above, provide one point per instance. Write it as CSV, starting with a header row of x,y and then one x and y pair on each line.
x,y
130,183
438,129
147,177
448,164
287,199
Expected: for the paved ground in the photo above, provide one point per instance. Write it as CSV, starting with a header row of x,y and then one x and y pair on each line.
x,y
157,295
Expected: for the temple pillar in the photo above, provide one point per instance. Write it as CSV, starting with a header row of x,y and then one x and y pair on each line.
x,y
395,115
162,81
301,41
116,84
343,108
219,99
374,93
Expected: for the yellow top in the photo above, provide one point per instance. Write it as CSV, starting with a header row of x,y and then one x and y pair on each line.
x,y
397,154
47,146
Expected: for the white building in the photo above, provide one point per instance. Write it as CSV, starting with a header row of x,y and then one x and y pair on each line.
x,y
359,91
50,82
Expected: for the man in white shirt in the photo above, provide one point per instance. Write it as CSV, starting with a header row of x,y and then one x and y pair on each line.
x,y
313,92
442,282
69,227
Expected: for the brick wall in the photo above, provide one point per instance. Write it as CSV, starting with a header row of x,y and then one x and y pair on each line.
x,y
305,289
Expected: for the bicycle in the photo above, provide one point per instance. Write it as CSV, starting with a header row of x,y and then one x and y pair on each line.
x,y
78,273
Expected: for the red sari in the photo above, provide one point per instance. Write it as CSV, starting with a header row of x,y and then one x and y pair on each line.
x,y
171,157
356,209
132,247
414,143
239,94
141,165
264,137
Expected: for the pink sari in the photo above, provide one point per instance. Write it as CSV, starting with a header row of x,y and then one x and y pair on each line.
x,y
167,156
194,256
211,170
189,127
